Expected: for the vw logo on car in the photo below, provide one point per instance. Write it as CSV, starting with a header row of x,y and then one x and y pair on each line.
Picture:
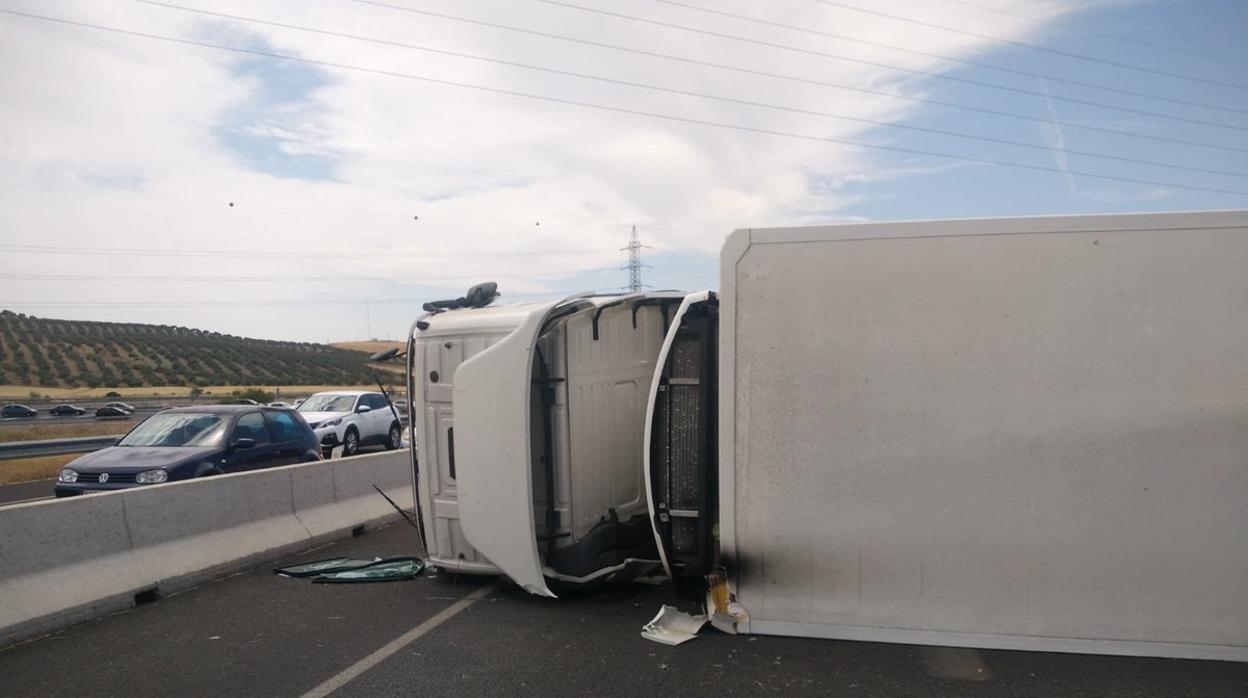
x,y
103,478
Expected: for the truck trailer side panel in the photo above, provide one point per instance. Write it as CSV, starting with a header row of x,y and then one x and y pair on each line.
x,y
1014,433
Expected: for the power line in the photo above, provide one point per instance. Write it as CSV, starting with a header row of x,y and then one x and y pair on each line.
x,y
889,66
227,303
951,59
414,280
201,304
803,80
1034,47
690,93
562,250
232,203
622,110
157,252
1102,35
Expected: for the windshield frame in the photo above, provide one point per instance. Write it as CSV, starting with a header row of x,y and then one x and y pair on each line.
x,y
210,436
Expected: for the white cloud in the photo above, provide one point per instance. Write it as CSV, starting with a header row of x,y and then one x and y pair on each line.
x,y
137,126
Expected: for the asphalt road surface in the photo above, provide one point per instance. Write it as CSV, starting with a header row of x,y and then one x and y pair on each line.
x,y
257,634
25,491
44,418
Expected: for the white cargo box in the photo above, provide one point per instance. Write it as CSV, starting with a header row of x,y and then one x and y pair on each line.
x,y
1015,433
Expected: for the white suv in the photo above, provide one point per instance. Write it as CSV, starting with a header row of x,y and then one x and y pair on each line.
x,y
352,419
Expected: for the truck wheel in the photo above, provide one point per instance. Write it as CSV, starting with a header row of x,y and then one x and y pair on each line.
x,y
350,442
396,437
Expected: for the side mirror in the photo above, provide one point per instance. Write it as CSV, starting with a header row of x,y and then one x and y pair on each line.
x,y
363,408
244,443
385,354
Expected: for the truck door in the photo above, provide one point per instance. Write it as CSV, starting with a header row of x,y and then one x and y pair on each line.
x,y
680,440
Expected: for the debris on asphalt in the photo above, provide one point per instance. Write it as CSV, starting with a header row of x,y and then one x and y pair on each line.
x,y
721,604
333,564
345,570
672,626
388,570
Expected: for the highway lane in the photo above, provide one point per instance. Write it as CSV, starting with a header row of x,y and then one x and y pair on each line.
x,y
257,634
43,418
25,491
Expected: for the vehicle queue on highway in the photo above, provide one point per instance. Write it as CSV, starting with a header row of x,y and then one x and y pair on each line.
x,y
203,440
108,409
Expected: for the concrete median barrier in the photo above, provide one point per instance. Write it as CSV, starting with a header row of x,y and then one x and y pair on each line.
x,y
64,561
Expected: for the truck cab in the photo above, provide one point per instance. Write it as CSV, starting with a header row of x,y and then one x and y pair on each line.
x,y
565,442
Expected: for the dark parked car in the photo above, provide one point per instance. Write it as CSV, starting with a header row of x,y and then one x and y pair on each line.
x,y
66,410
189,442
12,411
110,411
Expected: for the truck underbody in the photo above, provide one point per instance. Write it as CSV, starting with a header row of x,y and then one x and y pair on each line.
x,y
599,411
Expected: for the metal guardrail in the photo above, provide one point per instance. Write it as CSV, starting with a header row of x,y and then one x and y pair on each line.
x,y
55,447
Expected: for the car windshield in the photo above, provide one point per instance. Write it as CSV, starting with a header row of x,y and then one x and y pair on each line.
x,y
190,430
328,403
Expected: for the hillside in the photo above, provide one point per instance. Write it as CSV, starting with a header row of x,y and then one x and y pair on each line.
x,y
75,353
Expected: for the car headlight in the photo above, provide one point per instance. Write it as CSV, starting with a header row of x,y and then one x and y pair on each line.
x,y
151,477
67,475
332,422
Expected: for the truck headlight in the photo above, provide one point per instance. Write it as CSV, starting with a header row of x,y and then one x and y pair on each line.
x,y
67,475
151,477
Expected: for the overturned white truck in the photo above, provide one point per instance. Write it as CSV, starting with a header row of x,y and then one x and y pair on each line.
x,y
1024,433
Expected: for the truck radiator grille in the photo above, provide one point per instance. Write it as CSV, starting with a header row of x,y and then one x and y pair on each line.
x,y
682,447
685,442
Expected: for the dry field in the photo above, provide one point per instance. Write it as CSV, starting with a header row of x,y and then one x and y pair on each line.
x,y
36,431
30,469
18,393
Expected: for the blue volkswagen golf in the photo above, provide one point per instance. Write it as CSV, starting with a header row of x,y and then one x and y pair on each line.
x,y
189,442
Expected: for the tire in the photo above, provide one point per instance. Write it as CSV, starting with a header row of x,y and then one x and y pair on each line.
x,y
350,442
395,438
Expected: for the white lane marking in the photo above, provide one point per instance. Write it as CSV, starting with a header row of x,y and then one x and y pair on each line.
x,y
372,660
956,663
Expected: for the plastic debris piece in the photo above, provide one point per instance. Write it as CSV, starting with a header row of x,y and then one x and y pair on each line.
x,y
722,608
672,626
388,570
333,564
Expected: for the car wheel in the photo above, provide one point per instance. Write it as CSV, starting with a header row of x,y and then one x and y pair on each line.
x,y
350,442
396,437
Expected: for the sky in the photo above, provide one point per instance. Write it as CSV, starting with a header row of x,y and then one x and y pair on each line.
x,y
314,170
